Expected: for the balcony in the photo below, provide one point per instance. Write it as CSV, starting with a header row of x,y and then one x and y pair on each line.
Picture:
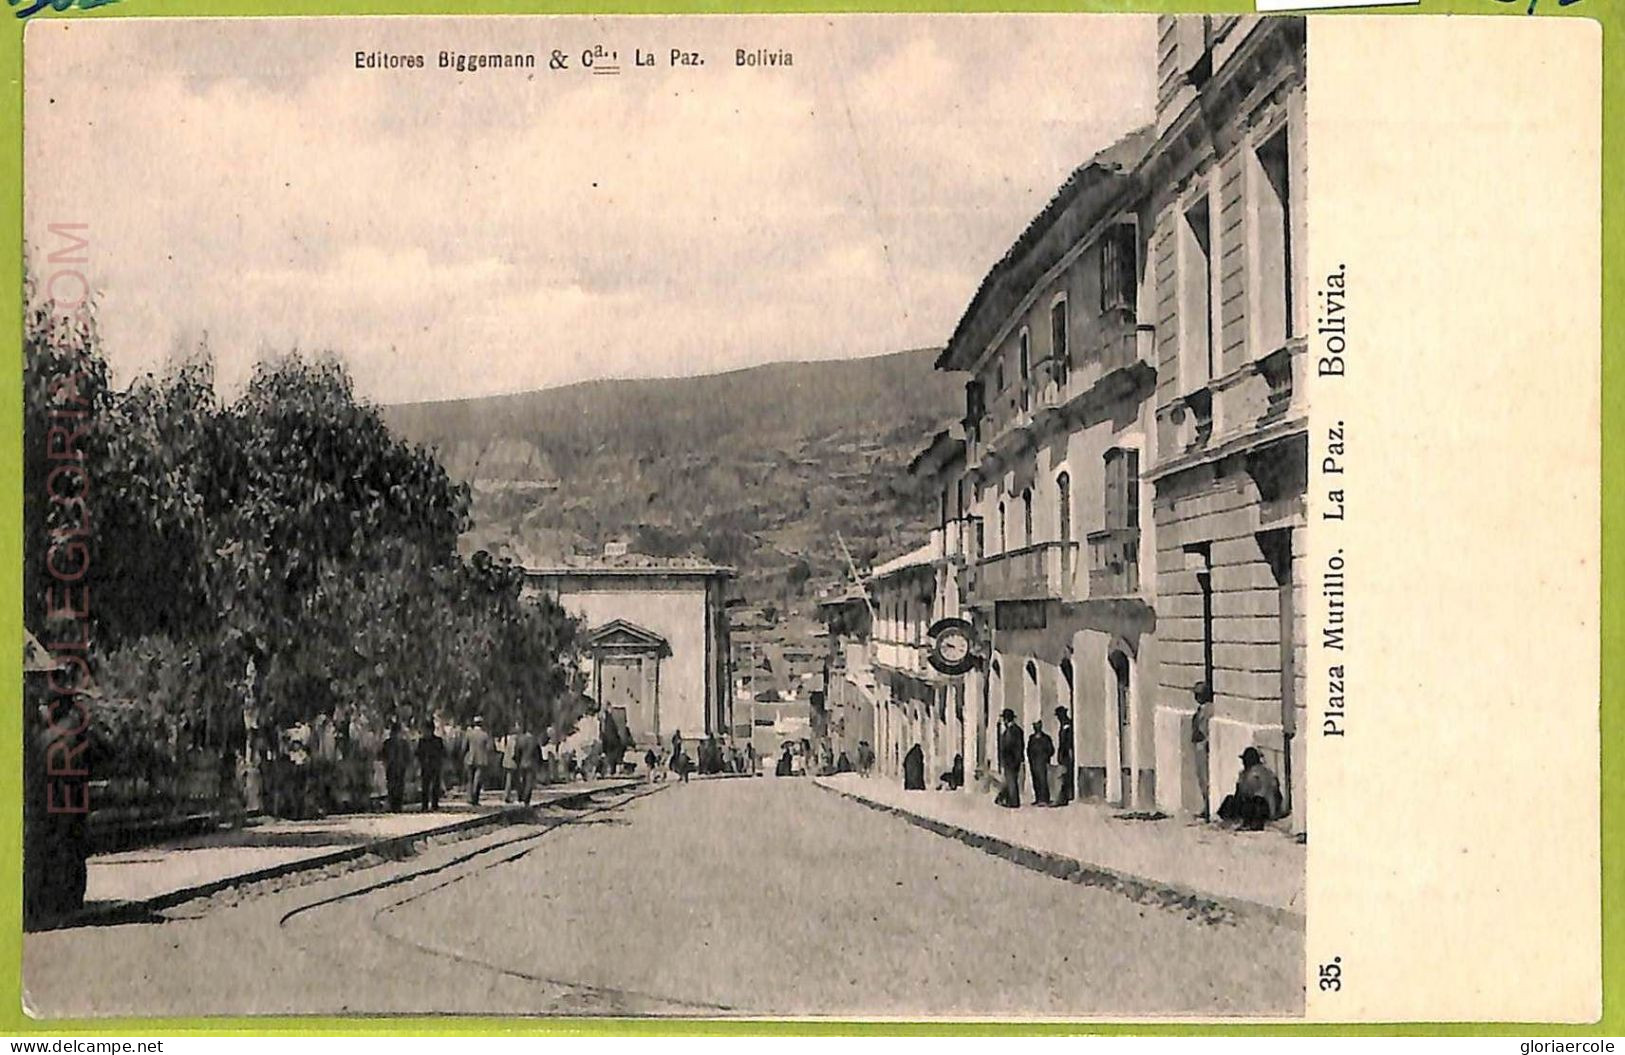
x,y
1255,398
1114,562
1038,572
905,656
1118,345
1009,423
956,542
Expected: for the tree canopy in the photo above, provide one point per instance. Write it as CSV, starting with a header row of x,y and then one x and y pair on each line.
x,y
287,526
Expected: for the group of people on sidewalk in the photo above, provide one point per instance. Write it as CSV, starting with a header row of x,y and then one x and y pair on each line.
x,y
1255,802
311,773
1038,751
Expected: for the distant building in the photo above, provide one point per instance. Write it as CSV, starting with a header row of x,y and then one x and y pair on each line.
x,y
656,648
852,693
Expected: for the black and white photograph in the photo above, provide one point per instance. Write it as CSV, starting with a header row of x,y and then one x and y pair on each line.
x,y
725,517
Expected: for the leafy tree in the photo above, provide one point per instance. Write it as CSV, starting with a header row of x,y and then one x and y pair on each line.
x,y
287,526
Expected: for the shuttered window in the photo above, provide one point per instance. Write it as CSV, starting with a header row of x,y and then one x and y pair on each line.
x,y
1122,488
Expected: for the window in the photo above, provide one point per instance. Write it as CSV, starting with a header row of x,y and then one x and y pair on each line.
x,y
1119,270
1002,536
1274,212
1024,363
1122,488
975,406
1027,516
1197,293
1060,348
1063,496
998,374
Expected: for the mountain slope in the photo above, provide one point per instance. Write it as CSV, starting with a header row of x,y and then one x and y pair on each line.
x,y
758,468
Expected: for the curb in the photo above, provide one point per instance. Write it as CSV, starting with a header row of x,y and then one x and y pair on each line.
x,y
1215,907
116,912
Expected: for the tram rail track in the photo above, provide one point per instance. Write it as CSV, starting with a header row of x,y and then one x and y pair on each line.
x,y
582,997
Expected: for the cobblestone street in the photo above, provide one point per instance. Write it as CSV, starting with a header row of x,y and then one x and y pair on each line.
x,y
726,897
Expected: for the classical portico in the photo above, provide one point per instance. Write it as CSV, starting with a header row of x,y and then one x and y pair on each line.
x,y
626,675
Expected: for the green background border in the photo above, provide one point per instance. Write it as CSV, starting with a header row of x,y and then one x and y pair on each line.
x,y
14,1021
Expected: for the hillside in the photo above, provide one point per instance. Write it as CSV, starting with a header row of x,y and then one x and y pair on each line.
x,y
758,468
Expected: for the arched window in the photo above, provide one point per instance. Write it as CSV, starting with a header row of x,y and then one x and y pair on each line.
x,y
1063,498
1027,516
1003,537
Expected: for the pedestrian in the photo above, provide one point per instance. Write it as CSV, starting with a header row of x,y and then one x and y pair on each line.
x,y
1257,798
550,756
651,762
614,743
509,753
914,769
954,779
528,757
397,760
476,757
1040,750
1064,755
677,757
784,767
1012,749
866,758
299,769
431,759
751,761
1199,740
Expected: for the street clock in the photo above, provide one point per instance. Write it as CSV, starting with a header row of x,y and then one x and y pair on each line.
x,y
953,648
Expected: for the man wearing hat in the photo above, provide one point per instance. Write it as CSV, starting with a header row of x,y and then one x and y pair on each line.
x,y
1199,741
477,755
1257,798
1012,748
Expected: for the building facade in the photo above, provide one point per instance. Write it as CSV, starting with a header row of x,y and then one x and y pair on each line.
x,y
656,646
1225,182
1122,509
1058,427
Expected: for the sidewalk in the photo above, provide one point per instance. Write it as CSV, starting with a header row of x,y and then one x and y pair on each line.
x,y
1249,873
157,877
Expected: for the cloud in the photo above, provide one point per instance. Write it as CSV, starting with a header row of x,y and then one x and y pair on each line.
x,y
500,230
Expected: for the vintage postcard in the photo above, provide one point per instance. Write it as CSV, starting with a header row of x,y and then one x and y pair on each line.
x,y
865,517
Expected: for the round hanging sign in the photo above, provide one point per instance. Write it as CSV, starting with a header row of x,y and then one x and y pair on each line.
x,y
953,649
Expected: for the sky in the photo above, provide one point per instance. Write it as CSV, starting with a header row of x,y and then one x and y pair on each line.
x,y
455,235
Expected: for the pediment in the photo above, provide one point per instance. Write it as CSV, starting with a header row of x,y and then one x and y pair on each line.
x,y
623,635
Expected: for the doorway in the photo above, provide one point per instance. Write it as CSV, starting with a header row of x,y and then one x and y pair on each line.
x,y
1124,695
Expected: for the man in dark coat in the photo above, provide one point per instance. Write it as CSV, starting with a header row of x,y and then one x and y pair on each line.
x,y
1064,756
1040,750
1257,798
914,769
431,758
1012,748
397,759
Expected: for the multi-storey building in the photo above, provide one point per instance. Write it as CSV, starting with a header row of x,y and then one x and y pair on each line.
x,y
1123,515
851,692
1225,182
913,696
1058,426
